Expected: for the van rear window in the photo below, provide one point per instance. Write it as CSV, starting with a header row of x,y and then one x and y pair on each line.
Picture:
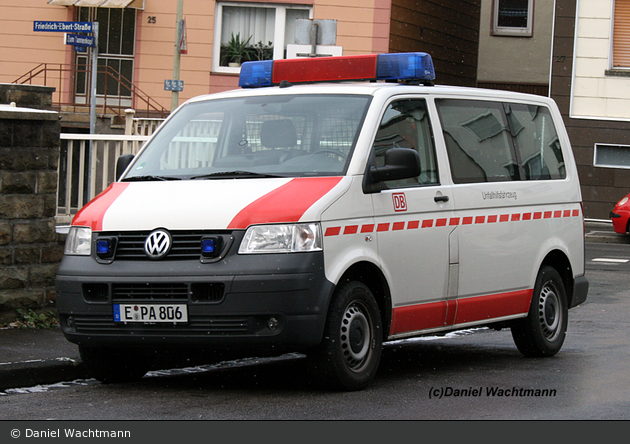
x,y
491,141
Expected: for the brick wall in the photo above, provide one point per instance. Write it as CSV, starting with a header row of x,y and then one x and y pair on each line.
x,y
30,248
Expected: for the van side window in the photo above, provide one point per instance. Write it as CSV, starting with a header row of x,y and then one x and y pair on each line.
x,y
478,141
537,142
405,124
492,141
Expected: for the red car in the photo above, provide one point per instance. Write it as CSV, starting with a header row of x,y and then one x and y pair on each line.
x,y
620,215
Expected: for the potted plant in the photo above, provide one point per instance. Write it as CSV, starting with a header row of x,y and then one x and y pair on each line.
x,y
236,50
260,51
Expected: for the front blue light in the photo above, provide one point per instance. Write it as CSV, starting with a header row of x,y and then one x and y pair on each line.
x,y
256,74
103,247
208,246
405,66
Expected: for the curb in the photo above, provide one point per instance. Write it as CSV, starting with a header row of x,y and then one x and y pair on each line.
x,y
37,372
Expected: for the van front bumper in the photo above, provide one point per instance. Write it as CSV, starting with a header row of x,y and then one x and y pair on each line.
x,y
281,301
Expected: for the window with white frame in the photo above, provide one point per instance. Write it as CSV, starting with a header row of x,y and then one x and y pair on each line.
x,y
512,17
612,156
621,35
253,31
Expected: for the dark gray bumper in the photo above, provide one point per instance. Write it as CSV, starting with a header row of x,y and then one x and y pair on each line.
x,y
255,300
580,291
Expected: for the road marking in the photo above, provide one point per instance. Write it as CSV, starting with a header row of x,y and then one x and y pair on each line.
x,y
614,261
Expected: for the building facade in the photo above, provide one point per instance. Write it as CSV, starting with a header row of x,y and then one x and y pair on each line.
x,y
591,84
515,45
137,44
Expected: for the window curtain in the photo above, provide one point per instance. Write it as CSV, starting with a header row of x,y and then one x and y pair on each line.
x,y
258,23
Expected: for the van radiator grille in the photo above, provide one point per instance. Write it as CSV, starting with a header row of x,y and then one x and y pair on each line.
x,y
186,245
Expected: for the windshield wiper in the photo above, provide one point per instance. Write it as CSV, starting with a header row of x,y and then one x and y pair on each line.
x,y
232,175
148,178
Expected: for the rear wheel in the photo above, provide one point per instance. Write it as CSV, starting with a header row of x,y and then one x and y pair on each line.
x,y
110,365
350,352
543,331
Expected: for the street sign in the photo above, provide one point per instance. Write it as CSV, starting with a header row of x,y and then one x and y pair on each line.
x,y
46,26
173,85
79,40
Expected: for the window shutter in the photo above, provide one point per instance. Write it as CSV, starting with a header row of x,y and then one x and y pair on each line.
x,y
621,34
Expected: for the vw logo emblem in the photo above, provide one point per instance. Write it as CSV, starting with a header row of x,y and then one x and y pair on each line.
x,y
158,243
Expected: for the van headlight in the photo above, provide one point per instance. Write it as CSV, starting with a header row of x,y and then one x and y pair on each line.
x,y
78,242
285,238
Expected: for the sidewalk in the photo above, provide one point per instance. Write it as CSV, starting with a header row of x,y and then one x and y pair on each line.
x,y
30,357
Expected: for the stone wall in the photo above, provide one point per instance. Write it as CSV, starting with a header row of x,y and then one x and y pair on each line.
x,y
27,96
30,248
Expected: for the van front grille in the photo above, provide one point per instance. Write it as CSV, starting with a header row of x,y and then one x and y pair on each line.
x,y
186,245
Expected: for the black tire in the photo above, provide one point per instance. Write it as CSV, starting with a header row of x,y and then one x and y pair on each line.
x,y
543,331
110,365
350,353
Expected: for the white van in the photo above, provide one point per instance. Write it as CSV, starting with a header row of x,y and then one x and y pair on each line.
x,y
308,212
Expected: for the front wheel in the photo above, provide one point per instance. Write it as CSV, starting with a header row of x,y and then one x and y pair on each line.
x,y
543,331
350,352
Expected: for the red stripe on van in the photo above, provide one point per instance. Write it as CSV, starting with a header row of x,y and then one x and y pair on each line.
x,y
287,203
492,306
382,227
351,229
332,231
460,311
418,317
368,228
398,226
92,214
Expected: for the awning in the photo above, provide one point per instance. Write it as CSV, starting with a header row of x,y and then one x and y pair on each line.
x,y
100,3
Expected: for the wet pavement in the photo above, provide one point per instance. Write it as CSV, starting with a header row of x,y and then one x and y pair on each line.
x,y
30,357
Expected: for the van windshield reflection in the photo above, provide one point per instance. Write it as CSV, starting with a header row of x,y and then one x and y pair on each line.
x,y
301,135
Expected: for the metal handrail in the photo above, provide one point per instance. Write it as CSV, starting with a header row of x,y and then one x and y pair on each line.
x,y
61,74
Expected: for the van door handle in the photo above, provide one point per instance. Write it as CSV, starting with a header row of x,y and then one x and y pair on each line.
x,y
441,198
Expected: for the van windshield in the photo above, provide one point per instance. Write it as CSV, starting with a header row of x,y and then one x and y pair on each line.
x,y
262,136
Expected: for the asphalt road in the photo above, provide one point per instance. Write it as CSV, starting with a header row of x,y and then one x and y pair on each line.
x,y
469,375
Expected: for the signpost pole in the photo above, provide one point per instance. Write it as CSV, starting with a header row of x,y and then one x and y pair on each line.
x,y
177,56
93,81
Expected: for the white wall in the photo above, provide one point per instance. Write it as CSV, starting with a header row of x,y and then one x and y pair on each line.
x,y
596,95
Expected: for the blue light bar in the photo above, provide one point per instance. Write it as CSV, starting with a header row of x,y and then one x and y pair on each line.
x,y
255,74
404,67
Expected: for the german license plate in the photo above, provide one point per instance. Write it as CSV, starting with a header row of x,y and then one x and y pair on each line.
x,y
150,313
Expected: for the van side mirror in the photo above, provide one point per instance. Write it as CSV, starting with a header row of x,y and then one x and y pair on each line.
x,y
400,163
122,163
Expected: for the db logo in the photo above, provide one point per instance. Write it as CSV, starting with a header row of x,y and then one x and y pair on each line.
x,y
400,202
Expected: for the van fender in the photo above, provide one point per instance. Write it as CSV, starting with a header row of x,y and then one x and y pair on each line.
x,y
554,252
346,259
